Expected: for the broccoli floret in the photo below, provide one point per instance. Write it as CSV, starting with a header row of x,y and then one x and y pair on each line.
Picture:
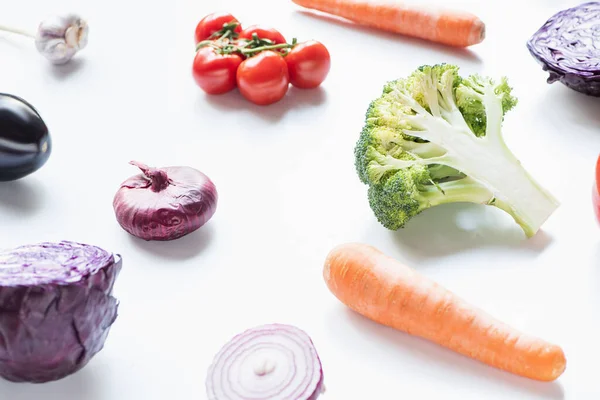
x,y
408,192
436,137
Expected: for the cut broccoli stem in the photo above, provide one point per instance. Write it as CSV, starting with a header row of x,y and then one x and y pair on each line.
x,y
395,163
527,215
440,172
384,163
521,196
488,160
493,111
423,150
515,191
465,190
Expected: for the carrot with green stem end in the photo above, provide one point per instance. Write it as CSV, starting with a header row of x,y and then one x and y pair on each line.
x,y
387,292
449,27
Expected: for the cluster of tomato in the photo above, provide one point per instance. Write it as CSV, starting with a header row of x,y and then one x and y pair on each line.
x,y
257,60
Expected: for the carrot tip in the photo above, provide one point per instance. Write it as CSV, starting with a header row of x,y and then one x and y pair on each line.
x,y
560,367
478,33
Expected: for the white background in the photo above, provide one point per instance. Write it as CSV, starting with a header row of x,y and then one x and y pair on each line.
x,y
288,194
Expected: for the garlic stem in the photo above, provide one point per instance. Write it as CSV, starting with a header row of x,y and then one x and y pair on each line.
x,y
17,31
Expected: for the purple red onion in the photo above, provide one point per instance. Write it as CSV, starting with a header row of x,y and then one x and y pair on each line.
x,y
273,361
165,203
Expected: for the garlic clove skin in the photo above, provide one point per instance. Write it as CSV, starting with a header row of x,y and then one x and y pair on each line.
x,y
57,52
59,38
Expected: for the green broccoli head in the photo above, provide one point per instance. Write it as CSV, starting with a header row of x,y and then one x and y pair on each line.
x,y
470,94
408,192
396,199
435,137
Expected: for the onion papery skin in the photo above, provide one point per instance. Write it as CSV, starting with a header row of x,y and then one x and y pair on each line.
x,y
567,46
273,361
56,308
170,204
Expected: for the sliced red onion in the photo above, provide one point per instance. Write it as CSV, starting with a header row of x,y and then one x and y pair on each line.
x,y
165,203
274,361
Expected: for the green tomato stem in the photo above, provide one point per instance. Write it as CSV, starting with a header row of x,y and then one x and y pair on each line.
x,y
262,45
205,43
265,48
227,31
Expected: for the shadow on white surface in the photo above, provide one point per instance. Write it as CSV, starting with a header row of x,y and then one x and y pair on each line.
x,y
460,53
183,248
452,228
79,386
587,107
573,106
22,197
64,71
399,345
294,99
16,42
596,274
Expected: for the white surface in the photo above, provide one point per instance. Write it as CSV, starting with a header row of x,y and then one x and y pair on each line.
x,y
288,194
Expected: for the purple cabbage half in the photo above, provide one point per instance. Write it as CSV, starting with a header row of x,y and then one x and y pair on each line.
x,y
568,48
56,308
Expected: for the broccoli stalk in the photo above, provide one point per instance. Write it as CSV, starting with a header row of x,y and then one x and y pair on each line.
x,y
436,138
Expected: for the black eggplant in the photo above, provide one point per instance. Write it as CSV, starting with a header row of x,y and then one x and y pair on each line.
x,y
25,142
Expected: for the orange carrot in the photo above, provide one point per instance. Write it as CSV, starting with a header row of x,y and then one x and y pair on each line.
x,y
450,27
387,292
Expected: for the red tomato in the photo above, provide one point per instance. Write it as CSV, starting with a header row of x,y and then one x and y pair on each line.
x,y
264,78
596,191
213,23
263,33
215,73
309,64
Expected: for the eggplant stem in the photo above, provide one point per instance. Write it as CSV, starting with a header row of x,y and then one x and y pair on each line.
x,y
17,31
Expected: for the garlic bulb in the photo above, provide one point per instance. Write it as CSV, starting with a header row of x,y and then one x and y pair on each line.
x,y
59,38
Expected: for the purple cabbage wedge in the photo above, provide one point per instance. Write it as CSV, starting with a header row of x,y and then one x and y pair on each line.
x,y
568,48
56,308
